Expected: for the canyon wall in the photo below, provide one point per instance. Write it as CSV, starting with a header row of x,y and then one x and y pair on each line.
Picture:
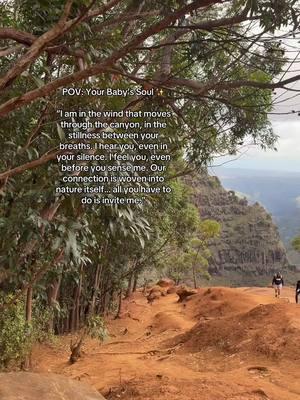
x,y
249,242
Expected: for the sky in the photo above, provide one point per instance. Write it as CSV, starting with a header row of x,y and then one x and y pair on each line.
x,y
287,127
287,158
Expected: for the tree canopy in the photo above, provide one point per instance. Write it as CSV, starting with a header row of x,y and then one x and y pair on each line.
x,y
296,243
214,64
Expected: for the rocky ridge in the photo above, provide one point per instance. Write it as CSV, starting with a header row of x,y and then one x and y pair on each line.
x,y
249,242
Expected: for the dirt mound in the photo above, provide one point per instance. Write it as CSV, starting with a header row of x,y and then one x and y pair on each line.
x,y
219,302
155,293
29,386
165,283
270,330
164,321
172,290
156,288
183,292
153,296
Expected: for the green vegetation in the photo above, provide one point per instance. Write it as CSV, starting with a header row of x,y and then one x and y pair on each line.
x,y
214,74
296,243
192,254
17,335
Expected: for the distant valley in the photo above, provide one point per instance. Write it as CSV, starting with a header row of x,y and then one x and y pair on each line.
x,y
277,191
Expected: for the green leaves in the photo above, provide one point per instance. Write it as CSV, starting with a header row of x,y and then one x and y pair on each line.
x,y
209,229
296,243
277,13
39,82
15,343
214,115
17,337
96,329
60,132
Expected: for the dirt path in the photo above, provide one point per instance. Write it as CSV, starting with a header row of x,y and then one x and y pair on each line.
x,y
157,351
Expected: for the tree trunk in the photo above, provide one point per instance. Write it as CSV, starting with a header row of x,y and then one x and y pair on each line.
x,y
111,299
28,316
29,305
77,302
104,302
52,298
67,324
135,282
74,322
194,270
95,290
120,305
194,276
129,287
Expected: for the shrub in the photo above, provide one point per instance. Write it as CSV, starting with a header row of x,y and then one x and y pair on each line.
x,y
95,328
15,334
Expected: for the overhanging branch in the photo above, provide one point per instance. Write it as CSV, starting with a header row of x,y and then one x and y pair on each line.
x,y
101,67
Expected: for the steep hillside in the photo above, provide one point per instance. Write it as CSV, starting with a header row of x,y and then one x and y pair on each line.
x,y
277,191
249,243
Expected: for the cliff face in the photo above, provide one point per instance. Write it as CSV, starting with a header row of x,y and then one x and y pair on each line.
x,y
249,241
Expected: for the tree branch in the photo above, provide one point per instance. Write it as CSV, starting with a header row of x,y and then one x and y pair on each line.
x,y
219,23
10,50
37,47
27,39
30,165
101,67
18,36
201,88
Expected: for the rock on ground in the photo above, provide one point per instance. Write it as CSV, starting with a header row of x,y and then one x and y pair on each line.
x,y
183,292
153,296
166,283
172,289
31,386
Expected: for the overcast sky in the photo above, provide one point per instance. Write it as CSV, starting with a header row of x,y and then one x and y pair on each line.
x,y
287,158
287,127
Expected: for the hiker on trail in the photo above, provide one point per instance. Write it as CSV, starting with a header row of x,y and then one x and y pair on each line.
x,y
297,291
277,283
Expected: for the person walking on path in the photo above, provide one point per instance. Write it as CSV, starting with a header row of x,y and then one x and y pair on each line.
x,y
277,283
297,291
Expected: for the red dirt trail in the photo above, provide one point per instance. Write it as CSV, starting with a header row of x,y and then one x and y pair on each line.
x,y
233,344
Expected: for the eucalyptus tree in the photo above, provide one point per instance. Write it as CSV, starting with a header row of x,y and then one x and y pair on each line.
x,y
213,64
215,60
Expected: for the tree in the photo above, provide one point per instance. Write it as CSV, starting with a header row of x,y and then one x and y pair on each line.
x,y
208,229
192,254
216,74
296,243
212,64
